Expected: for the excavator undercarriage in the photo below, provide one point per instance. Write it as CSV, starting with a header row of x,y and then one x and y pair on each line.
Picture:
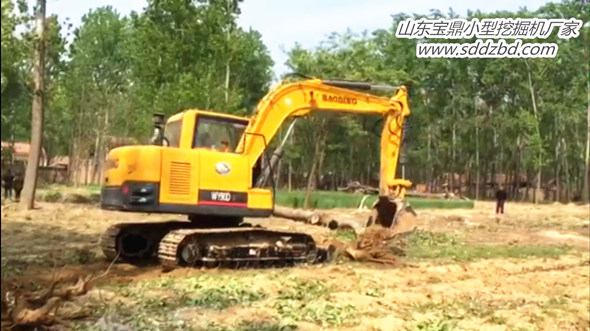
x,y
189,244
211,242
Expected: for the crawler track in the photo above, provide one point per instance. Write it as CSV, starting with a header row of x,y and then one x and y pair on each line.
x,y
187,244
137,242
235,247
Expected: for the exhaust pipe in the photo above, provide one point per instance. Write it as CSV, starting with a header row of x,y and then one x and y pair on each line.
x,y
158,136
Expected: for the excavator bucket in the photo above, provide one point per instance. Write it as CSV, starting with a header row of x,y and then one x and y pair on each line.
x,y
395,214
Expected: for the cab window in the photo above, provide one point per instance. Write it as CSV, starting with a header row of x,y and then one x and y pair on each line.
x,y
221,134
172,133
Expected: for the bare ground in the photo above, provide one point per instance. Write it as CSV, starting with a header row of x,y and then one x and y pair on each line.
x,y
467,270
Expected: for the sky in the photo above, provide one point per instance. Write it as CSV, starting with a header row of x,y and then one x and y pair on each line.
x,y
282,23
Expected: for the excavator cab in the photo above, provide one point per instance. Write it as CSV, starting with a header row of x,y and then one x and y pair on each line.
x,y
211,131
190,168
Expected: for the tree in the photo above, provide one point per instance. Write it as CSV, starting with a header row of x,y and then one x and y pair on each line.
x,y
475,122
30,184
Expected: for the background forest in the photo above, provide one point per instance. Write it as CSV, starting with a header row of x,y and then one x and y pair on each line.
x,y
524,123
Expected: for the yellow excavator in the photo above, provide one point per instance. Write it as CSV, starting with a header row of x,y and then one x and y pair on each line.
x,y
209,165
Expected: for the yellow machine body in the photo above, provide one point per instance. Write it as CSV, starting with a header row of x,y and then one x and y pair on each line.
x,y
189,176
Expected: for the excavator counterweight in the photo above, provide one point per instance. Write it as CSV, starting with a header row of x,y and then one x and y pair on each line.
x,y
208,166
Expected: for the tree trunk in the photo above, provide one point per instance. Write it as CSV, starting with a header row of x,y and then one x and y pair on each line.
x,y
30,183
95,157
527,190
453,157
429,161
586,189
290,178
75,163
494,158
477,169
70,157
86,168
226,90
508,180
319,170
102,148
333,219
539,161
518,166
557,195
278,174
485,187
469,171
227,63
501,168
293,214
538,190
310,176
567,172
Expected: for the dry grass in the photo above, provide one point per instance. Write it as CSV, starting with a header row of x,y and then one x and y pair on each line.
x,y
466,270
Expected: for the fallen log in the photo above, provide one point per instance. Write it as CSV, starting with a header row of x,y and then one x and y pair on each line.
x,y
300,215
359,188
442,196
333,220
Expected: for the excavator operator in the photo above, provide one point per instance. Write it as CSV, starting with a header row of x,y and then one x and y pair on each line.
x,y
224,146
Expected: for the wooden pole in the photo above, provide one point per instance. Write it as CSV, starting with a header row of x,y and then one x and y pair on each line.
x,y
28,195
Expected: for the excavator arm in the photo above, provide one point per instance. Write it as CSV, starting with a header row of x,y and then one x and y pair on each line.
x,y
316,95
302,98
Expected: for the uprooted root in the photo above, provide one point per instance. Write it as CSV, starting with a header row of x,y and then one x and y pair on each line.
x,y
24,310
21,310
376,244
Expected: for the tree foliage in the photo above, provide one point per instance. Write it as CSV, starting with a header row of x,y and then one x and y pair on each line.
x,y
477,118
512,121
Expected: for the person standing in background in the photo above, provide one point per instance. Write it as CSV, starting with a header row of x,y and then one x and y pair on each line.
x,y
7,181
501,197
19,181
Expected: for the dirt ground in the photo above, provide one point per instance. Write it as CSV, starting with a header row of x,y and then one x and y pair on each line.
x,y
465,270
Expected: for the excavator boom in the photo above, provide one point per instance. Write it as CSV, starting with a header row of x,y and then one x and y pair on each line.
x,y
311,96
302,98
